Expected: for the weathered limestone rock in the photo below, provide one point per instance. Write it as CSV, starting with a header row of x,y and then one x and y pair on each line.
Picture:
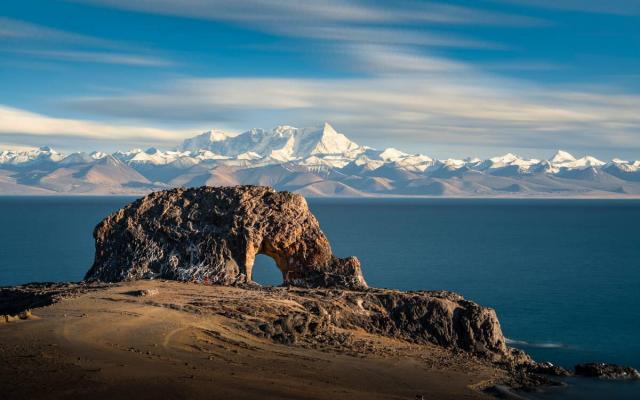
x,y
212,234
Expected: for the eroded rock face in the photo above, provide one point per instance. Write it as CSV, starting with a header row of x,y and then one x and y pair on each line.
x,y
442,318
212,234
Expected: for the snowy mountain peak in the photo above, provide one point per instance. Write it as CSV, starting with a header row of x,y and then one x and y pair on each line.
x,y
505,159
203,141
216,135
619,161
324,141
584,162
392,154
499,161
97,155
562,157
283,143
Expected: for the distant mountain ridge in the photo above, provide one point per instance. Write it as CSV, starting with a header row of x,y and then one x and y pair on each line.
x,y
315,162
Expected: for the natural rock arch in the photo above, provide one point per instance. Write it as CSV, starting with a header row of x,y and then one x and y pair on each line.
x,y
211,234
265,271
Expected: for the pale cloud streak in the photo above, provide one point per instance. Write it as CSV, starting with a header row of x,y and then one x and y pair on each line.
x,y
86,48
17,121
273,14
98,57
619,7
338,22
13,29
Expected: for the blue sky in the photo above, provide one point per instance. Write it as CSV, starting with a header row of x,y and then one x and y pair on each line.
x,y
448,79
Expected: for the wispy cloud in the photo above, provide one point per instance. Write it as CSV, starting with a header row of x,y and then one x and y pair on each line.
x,y
13,29
87,49
15,121
441,102
99,57
274,13
620,7
399,22
383,35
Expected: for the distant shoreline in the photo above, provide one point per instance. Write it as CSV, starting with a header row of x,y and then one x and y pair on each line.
x,y
388,196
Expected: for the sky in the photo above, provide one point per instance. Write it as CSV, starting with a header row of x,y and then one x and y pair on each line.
x,y
442,78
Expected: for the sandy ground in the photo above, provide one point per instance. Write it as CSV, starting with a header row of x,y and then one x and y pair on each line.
x,y
110,344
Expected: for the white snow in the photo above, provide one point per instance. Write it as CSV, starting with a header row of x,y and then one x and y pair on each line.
x,y
392,154
320,147
42,154
562,157
584,162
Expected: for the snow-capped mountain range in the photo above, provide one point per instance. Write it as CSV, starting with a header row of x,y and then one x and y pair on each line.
x,y
312,161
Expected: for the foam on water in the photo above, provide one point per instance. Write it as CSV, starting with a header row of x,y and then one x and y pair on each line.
x,y
525,344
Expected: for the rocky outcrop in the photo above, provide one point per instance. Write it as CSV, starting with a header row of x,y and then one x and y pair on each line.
x,y
436,317
547,368
606,371
310,317
212,235
16,301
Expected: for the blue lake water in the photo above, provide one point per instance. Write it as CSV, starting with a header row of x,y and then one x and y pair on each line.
x,y
563,275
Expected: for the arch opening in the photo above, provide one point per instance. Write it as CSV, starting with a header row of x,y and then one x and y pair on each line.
x,y
265,271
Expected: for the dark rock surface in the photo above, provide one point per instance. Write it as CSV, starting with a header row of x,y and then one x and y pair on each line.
x,y
212,235
442,318
547,368
19,299
606,371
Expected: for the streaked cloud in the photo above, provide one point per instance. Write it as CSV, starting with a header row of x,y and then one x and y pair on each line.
x,y
13,29
86,49
98,57
440,102
15,121
620,7
336,22
275,13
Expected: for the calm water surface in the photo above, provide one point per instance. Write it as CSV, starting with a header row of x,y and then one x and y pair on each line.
x,y
563,275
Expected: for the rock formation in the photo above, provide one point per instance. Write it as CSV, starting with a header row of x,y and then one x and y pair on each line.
x,y
606,371
437,317
212,234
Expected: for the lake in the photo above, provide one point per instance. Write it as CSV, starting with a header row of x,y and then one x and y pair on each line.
x,y
563,275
